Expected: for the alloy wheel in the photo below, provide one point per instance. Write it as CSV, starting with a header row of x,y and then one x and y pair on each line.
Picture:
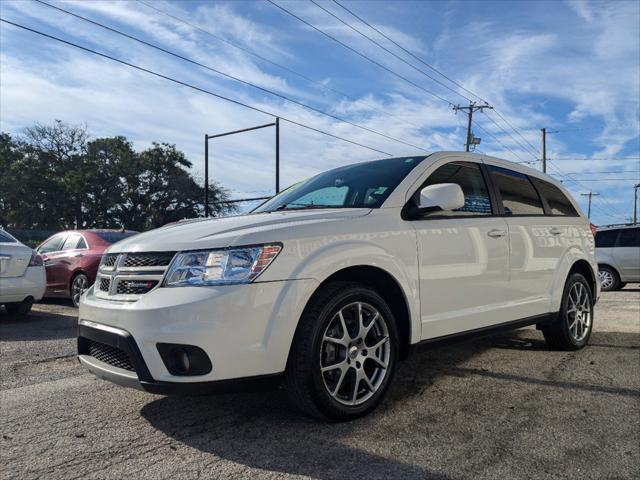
x,y
579,313
79,285
355,353
606,279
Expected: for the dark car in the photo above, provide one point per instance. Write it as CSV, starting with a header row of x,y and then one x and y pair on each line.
x,y
71,259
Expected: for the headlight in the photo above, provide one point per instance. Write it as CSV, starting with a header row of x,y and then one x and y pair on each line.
x,y
220,267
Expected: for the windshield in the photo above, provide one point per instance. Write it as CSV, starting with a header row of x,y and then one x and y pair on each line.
x,y
363,185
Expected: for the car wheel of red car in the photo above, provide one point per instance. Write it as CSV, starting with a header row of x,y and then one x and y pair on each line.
x,y
79,284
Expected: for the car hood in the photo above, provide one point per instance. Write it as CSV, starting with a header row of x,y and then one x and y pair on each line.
x,y
229,231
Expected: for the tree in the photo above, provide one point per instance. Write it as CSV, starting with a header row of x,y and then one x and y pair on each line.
x,y
54,177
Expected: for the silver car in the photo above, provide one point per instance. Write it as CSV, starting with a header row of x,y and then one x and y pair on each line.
x,y
618,255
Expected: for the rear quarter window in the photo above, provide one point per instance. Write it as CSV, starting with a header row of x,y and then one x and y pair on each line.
x,y
557,201
517,192
629,237
606,238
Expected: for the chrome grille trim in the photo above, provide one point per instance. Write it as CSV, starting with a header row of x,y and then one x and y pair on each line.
x,y
123,281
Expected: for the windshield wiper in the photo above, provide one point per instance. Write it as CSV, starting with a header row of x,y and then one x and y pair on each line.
x,y
303,206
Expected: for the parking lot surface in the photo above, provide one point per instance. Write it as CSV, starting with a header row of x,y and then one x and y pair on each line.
x,y
497,407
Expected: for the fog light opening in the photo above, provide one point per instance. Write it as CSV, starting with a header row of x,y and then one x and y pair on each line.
x,y
181,360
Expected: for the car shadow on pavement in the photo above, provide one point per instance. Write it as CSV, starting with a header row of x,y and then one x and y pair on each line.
x,y
265,431
37,325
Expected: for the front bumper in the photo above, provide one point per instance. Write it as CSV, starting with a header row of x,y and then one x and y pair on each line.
x,y
245,330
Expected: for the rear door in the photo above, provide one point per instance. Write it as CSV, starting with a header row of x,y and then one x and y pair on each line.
x,y
627,254
463,256
536,243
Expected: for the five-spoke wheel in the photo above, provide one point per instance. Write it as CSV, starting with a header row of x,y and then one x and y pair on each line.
x,y
78,285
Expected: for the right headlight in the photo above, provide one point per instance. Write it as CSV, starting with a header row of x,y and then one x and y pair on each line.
x,y
221,266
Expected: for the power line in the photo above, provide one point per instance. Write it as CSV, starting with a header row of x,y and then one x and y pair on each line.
x,y
520,144
606,179
500,143
568,159
387,50
232,77
319,84
357,52
429,66
410,53
600,172
194,87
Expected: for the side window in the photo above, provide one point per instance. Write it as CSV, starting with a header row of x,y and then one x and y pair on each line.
x,y
468,175
629,237
324,196
73,242
558,203
52,245
606,238
517,192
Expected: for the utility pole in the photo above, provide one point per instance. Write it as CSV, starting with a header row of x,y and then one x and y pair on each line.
x,y
544,150
635,203
472,141
590,194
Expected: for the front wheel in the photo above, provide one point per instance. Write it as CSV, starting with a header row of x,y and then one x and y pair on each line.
x,y
344,352
78,285
571,331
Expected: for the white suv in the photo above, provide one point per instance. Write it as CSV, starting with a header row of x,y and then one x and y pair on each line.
x,y
326,286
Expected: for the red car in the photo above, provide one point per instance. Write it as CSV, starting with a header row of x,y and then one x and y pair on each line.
x,y
71,259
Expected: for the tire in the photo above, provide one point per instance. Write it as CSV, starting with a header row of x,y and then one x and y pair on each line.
x,y
609,278
572,329
369,348
621,285
19,309
79,283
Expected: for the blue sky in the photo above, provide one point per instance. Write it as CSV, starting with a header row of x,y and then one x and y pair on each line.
x,y
572,67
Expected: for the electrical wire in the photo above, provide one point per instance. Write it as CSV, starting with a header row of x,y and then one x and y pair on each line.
x,y
232,77
357,52
194,87
317,83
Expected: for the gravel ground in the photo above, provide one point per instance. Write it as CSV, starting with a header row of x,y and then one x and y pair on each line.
x,y
500,407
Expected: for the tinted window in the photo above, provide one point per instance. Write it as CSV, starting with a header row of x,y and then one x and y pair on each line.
x,y
113,237
54,244
5,238
606,238
629,237
354,186
557,201
82,243
518,195
469,177
71,243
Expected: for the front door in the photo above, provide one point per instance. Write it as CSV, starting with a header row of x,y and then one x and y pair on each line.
x,y
463,257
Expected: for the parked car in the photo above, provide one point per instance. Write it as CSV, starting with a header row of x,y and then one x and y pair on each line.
x,y
327,285
618,255
22,276
72,258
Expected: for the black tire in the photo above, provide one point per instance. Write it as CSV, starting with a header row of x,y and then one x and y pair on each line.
x,y
76,288
562,334
621,285
19,309
304,381
613,279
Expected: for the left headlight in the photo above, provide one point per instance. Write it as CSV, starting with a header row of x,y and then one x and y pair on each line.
x,y
220,267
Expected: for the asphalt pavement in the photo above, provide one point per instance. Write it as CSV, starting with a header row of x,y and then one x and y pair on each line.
x,y
497,407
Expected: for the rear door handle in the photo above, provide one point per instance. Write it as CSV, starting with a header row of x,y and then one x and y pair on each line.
x,y
555,231
497,232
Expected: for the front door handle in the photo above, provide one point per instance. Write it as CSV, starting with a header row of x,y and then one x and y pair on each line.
x,y
555,231
497,232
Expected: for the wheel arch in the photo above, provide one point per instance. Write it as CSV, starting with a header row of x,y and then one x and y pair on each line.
x,y
388,287
584,268
73,276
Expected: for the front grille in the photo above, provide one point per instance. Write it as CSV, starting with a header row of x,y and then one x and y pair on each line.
x,y
109,260
110,355
161,259
135,287
105,283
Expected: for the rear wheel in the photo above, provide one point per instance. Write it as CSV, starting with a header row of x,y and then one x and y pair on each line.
x,y
79,284
19,309
571,331
344,353
609,279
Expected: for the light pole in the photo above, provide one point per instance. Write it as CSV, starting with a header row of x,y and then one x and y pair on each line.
x,y
635,203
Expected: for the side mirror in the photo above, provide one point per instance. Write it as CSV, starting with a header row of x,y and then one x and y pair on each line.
x,y
447,196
